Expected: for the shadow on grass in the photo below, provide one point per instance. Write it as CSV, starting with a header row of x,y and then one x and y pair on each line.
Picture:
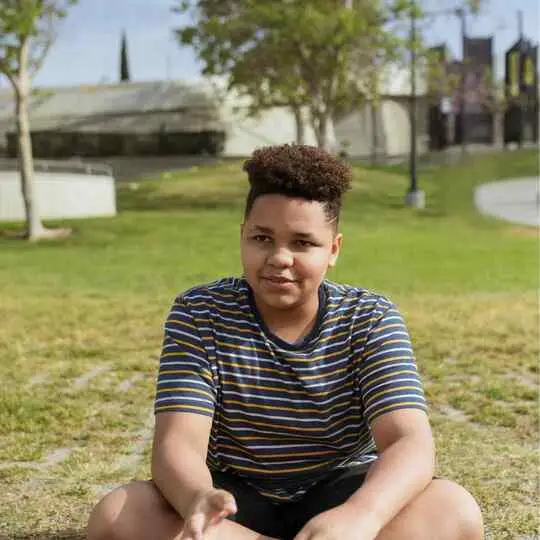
x,y
69,534
389,206
15,234
147,198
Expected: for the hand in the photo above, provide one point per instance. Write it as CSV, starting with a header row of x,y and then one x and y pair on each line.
x,y
208,510
344,522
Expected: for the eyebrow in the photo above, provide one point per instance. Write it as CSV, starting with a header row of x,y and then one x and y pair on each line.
x,y
297,234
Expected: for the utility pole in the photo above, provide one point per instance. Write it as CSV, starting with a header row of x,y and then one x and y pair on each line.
x,y
414,197
521,41
460,12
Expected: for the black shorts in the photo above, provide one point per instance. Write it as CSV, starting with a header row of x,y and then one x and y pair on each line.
x,y
285,520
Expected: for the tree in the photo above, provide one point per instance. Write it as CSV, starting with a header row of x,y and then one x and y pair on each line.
x,y
317,55
124,62
27,31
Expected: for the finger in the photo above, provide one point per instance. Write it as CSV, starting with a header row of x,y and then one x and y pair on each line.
x,y
217,517
222,500
194,527
221,505
186,535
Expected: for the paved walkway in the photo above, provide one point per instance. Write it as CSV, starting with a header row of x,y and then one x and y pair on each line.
x,y
517,201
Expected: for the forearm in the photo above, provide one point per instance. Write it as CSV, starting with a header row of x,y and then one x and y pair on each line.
x,y
180,473
400,473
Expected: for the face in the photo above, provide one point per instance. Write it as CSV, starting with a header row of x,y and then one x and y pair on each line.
x,y
287,246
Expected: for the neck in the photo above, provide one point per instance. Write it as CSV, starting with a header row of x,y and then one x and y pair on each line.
x,y
292,324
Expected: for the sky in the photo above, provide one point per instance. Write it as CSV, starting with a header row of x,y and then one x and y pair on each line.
x,y
87,48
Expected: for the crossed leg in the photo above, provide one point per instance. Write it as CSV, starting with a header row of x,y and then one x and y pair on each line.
x,y
137,511
443,511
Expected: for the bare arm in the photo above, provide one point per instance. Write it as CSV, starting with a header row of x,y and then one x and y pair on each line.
x,y
179,457
396,411
181,436
180,472
404,468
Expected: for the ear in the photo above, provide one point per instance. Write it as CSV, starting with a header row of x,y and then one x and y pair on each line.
x,y
242,225
336,248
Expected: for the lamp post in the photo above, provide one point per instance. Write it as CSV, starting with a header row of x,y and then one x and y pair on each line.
x,y
520,64
415,197
461,15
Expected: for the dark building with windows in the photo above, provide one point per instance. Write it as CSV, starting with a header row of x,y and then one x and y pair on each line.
x,y
162,118
460,93
477,86
521,82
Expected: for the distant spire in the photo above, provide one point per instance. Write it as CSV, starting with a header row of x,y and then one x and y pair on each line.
x,y
124,63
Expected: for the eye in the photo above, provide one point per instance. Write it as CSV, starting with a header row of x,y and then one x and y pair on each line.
x,y
304,243
263,238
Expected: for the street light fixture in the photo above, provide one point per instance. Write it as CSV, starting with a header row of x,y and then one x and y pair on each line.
x,y
415,197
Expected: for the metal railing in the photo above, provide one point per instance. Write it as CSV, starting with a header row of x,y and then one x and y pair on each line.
x,y
72,165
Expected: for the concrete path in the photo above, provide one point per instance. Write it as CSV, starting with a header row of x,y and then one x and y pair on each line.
x,y
517,201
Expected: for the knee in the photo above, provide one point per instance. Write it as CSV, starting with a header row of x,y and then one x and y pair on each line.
x,y
136,510
107,520
467,513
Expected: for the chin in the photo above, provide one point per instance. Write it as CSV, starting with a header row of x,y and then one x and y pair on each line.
x,y
281,302
278,300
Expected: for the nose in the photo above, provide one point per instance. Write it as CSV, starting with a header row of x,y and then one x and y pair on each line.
x,y
280,258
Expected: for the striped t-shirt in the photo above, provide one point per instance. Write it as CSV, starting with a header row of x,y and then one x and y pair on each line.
x,y
285,415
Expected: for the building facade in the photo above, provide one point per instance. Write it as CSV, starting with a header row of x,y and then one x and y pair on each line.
x,y
181,118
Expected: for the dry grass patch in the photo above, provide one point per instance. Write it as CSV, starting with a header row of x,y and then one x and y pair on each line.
x,y
82,318
477,354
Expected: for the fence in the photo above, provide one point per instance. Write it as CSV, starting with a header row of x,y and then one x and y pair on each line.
x,y
60,166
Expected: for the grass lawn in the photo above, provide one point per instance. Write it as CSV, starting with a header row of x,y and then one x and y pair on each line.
x,y
81,332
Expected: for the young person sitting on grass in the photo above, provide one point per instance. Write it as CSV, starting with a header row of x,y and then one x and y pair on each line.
x,y
289,406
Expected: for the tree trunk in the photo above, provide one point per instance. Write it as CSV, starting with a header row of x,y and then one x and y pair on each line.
x,y
34,227
299,121
320,123
373,109
498,128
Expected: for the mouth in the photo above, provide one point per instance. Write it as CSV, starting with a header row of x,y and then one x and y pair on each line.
x,y
278,280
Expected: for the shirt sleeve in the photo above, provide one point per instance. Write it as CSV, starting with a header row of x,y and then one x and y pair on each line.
x,y
388,374
185,381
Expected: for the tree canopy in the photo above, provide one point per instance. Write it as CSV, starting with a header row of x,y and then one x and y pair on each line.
x,y
319,54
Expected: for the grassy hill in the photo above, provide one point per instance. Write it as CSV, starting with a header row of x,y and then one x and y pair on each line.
x,y
81,332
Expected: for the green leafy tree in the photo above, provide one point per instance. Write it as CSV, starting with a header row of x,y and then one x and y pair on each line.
x,y
27,31
319,56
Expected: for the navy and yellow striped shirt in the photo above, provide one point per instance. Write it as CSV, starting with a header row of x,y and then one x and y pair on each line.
x,y
285,415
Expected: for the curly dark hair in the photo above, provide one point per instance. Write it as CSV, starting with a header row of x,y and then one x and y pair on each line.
x,y
296,170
